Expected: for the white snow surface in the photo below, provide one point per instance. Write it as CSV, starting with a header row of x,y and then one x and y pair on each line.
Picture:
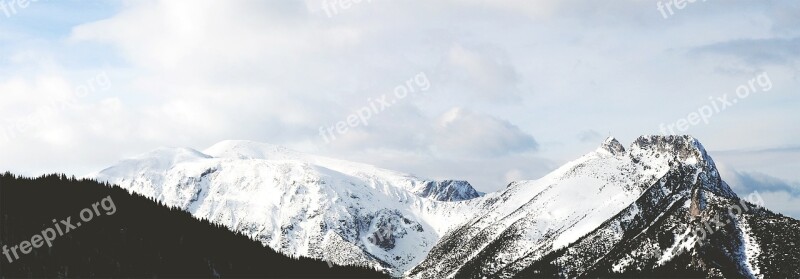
x,y
751,249
569,202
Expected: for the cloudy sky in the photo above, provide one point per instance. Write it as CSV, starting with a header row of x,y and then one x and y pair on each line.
x,y
495,91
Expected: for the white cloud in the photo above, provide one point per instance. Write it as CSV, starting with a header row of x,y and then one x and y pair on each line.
x,y
488,75
782,202
464,133
779,195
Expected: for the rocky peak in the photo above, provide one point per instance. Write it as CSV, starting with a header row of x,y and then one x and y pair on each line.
x,y
612,145
681,147
448,190
682,153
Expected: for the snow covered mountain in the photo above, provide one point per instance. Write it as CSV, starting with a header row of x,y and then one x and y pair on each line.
x,y
299,204
657,209
611,212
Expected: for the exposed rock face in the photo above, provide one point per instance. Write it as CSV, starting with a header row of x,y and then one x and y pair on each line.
x,y
611,145
448,190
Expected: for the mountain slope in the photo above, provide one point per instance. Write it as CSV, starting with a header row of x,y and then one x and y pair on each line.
x,y
674,221
533,218
138,239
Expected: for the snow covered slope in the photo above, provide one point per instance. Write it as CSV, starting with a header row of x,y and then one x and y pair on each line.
x,y
299,204
537,217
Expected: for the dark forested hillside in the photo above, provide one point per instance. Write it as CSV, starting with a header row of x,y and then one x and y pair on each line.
x,y
140,239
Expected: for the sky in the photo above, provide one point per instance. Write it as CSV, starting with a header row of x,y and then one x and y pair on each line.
x,y
484,91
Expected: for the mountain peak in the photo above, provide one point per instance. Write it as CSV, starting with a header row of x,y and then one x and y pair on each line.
x,y
683,150
683,147
448,190
612,145
245,149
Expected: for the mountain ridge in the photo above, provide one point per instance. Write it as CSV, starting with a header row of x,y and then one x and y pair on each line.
x,y
349,212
